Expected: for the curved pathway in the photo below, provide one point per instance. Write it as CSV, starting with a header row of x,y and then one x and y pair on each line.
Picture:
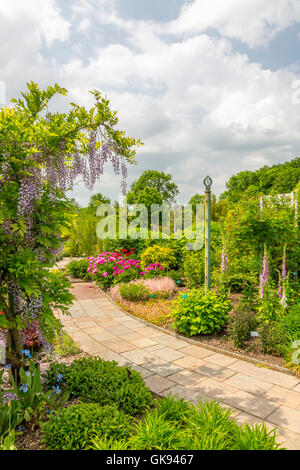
x,y
174,366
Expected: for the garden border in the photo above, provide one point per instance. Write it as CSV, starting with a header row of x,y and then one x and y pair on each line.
x,y
199,344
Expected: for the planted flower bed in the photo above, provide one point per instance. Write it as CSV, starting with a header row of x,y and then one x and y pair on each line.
x,y
263,323
96,404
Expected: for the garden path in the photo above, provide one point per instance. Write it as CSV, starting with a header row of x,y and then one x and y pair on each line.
x,y
175,366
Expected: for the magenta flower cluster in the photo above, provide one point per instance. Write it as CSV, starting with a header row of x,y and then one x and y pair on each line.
x,y
122,263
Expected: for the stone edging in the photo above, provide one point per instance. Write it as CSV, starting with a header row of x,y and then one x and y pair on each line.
x,y
202,345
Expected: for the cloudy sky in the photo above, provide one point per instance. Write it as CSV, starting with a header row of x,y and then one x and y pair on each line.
x,y
210,86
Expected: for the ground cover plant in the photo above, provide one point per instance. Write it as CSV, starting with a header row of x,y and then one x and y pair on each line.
x,y
103,382
96,404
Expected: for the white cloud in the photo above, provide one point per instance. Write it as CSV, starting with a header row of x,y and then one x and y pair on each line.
x,y
199,106
251,21
43,18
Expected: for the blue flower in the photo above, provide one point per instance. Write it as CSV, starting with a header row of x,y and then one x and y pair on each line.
x,y
24,388
59,377
184,296
56,390
26,352
7,366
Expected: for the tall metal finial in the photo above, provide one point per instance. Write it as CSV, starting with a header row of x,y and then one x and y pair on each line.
x,y
207,183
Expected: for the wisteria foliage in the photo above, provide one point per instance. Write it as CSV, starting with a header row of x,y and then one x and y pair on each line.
x,y
56,152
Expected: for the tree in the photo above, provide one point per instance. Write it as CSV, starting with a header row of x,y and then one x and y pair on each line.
x,y
200,199
196,199
153,185
41,154
97,199
277,179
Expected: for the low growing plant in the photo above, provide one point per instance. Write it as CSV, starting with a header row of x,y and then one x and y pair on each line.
x,y
240,326
75,427
198,313
78,269
32,400
134,292
94,380
64,345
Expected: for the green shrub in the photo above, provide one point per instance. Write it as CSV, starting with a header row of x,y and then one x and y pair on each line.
x,y
78,269
177,276
8,442
50,375
11,415
74,427
174,409
256,437
134,292
200,313
159,254
177,425
105,443
210,427
240,326
272,338
194,268
94,380
154,432
290,323
64,345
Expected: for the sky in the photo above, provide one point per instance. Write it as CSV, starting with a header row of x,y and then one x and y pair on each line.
x,y
210,86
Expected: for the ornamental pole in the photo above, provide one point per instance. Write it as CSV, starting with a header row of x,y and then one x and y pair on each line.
x,y
207,183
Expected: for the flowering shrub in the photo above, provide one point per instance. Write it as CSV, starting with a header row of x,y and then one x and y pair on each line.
x,y
154,255
274,302
200,313
114,267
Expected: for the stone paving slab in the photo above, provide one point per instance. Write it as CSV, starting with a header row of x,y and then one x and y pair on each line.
x,y
173,366
249,384
285,417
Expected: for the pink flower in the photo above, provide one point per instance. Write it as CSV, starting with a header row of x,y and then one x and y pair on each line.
x,y
105,274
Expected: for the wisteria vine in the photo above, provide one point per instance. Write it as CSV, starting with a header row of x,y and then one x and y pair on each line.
x,y
53,173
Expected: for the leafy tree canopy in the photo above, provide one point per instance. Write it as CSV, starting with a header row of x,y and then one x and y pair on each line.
x,y
153,187
98,199
277,179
